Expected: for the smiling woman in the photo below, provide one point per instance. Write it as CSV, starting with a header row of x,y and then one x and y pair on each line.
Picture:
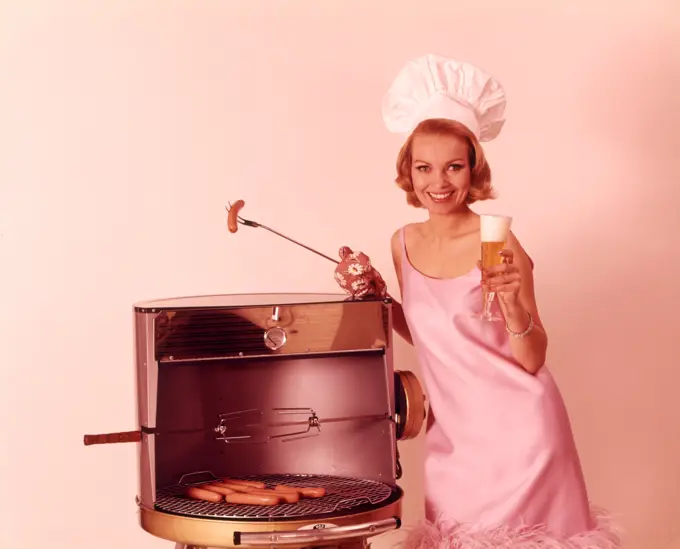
x,y
446,159
501,466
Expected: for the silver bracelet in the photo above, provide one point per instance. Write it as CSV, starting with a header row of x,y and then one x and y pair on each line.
x,y
526,332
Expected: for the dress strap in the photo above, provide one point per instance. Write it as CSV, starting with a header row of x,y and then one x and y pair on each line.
x,y
402,239
404,259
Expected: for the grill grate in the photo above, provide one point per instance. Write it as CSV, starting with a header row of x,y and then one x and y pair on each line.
x,y
343,495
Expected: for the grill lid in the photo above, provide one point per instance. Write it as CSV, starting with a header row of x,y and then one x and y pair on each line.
x,y
225,301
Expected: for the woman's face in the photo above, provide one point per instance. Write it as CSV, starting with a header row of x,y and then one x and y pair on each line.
x,y
440,171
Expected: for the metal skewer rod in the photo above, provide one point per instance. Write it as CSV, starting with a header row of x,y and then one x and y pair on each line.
x,y
313,421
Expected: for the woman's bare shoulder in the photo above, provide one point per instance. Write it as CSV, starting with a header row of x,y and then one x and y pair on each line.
x,y
397,236
409,228
395,243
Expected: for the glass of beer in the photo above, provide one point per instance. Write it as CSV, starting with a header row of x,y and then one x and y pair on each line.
x,y
494,231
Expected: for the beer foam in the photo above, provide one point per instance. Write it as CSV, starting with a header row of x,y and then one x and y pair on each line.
x,y
494,228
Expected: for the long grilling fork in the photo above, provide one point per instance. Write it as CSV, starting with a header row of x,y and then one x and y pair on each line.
x,y
255,224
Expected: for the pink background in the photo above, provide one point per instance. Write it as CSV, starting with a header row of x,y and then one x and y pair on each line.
x,y
125,126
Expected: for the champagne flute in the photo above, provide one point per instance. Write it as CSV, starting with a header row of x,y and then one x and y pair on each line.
x,y
494,231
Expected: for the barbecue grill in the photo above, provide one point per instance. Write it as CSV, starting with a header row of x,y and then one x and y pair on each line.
x,y
294,390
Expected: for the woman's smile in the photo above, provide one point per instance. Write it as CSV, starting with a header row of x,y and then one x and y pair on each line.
x,y
440,197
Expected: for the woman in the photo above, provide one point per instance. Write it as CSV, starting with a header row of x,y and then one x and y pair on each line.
x,y
501,466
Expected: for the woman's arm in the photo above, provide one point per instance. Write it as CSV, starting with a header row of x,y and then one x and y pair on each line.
x,y
530,351
398,319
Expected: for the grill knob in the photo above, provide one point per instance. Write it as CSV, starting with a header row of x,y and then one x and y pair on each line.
x,y
275,338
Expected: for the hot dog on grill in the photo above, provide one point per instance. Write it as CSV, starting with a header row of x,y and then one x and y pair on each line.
x,y
252,492
288,497
232,223
251,499
251,483
236,487
217,489
313,492
309,492
283,488
200,493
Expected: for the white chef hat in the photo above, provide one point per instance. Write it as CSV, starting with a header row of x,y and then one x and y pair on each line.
x,y
435,87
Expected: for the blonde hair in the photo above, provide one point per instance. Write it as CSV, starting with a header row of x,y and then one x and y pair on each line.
x,y
480,172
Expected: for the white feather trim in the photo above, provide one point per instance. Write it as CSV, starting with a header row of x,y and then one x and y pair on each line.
x,y
426,535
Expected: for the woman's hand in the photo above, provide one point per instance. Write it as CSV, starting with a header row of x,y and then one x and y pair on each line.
x,y
357,277
504,279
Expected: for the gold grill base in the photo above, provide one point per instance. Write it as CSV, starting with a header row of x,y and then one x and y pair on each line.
x,y
211,533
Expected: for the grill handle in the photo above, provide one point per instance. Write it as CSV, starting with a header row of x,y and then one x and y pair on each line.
x,y
111,438
320,536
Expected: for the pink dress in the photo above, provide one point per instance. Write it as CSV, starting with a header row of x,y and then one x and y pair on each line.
x,y
501,466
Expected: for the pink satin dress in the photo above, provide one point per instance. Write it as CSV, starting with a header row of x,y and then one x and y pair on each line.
x,y
501,466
